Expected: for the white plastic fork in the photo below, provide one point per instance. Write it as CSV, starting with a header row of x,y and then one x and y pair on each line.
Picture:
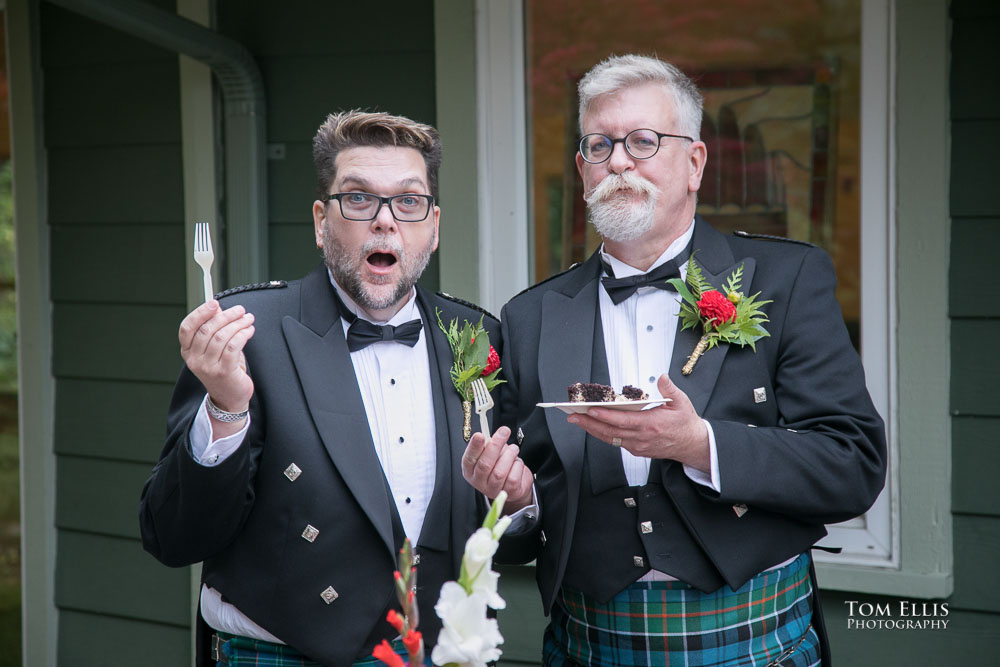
x,y
204,256
483,402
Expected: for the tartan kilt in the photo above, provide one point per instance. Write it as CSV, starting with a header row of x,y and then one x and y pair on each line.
x,y
766,622
247,652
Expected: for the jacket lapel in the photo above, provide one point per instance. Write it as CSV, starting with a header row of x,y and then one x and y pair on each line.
x,y
323,363
565,354
604,462
713,254
449,485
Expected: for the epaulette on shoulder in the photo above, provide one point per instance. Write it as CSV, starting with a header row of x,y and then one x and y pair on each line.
x,y
270,284
771,237
552,277
468,304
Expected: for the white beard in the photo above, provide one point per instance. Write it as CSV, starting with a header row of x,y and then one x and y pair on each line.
x,y
613,213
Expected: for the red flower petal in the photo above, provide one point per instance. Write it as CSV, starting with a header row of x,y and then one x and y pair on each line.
x,y
412,641
395,620
385,653
713,305
492,361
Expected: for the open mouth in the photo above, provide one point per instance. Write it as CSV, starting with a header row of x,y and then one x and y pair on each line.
x,y
381,261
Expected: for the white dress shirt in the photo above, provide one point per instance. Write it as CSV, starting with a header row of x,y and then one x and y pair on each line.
x,y
639,337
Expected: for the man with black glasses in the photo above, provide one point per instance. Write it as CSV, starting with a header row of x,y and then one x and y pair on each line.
x,y
680,535
315,424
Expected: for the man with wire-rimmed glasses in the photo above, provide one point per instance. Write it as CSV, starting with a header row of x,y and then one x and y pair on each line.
x,y
315,426
680,534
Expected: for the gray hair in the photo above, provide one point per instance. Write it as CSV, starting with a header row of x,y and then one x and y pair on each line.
x,y
620,72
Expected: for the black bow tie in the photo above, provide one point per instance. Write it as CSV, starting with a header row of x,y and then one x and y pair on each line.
x,y
362,333
620,289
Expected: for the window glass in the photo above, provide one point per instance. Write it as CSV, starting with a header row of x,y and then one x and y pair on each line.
x,y
782,86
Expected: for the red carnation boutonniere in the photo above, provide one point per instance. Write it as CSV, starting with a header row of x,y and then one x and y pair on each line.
x,y
726,316
474,358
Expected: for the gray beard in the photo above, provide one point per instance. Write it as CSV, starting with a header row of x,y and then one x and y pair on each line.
x,y
621,221
346,271
614,216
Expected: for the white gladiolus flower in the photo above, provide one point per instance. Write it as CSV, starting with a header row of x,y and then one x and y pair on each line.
x,y
479,550
486,584
468,637
501,526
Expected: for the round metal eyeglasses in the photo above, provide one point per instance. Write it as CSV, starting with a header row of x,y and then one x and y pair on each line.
x,y
364,206
641,144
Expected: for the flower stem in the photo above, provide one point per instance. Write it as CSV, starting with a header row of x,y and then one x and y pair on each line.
x,y
467,420
699,350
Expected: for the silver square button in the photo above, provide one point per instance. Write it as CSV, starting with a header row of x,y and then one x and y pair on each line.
x,y
646,526
329,595
639,561
759,395
292,472
310,533
630,502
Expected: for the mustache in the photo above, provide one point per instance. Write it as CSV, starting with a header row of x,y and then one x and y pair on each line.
x,y
614,183
382,244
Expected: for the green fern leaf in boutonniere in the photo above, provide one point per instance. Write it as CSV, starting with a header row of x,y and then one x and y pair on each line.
x,y
474,357
726,316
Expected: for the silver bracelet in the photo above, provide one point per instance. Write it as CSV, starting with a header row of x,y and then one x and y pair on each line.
x,y
221,415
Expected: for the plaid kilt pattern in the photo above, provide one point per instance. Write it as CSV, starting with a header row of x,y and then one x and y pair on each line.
x,y
244,652
670,623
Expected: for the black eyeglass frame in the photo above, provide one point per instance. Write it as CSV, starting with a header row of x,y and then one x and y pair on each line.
x,y
382,201
624,141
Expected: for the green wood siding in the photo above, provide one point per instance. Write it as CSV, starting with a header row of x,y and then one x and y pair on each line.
x,y
115,200
97,637
115,577
124,421
975,317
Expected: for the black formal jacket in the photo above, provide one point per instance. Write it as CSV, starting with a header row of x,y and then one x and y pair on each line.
x,y
245,518
812,453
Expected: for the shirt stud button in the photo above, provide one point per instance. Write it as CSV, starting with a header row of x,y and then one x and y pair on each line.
x,y
649,327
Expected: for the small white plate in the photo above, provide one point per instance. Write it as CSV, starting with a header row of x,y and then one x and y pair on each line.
x,y
628,406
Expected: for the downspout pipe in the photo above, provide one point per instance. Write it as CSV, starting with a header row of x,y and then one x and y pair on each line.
x,y
244,108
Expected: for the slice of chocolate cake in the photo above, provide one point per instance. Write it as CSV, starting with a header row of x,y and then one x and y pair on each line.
x,y
634,393
590,392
